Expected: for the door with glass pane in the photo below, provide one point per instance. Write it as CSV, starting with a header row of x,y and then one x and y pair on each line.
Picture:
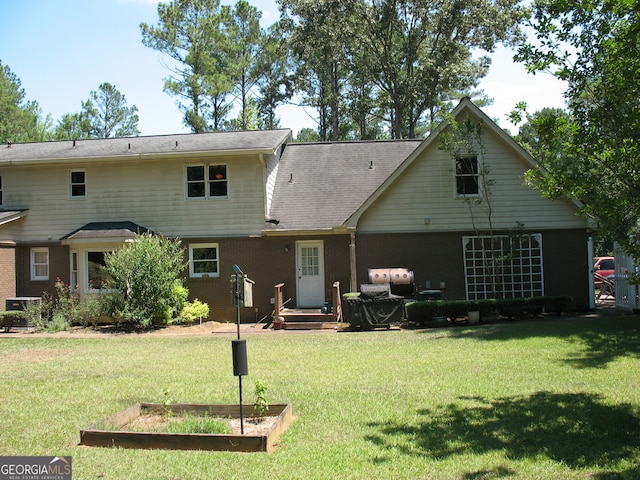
x,y
310,273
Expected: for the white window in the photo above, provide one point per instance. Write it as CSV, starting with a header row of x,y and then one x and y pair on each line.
x,y
204,260
503,266
207,181
40,263
467,176
77,184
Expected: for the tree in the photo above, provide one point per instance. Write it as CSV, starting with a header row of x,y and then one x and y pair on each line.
x,y
106,114
245,42
146,273
20,120
73,126
419,51
307,135
319,41
392,60
596,156
275,81
189,32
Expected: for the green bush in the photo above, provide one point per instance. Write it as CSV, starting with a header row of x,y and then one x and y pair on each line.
x,y
192,311
146,273
10,318
423,312
559,305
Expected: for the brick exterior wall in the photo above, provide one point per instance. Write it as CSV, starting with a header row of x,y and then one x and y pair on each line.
x,y
267,261
433,257
7,273
437,257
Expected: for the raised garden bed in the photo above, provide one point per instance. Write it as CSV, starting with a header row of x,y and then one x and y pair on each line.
x,y
116,431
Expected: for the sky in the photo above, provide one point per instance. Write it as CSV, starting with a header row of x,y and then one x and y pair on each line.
x,y
61,50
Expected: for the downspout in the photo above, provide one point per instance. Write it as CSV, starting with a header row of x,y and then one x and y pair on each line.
x,y
353,285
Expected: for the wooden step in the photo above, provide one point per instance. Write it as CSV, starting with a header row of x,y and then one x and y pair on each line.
x,y
306,319
310,325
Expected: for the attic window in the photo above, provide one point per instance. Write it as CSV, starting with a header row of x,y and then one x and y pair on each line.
x,y
467,181
207,181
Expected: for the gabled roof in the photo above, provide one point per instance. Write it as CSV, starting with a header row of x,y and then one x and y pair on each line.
x,y
320,185
106,230
218,143
465,106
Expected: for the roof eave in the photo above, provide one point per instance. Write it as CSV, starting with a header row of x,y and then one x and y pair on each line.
x,y
338,230
140,156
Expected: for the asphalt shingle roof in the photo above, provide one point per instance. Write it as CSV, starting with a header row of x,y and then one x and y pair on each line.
x,y
318,186
96,230
266,140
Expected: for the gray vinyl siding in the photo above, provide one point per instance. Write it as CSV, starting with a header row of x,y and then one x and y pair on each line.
x,y
426,189
150,194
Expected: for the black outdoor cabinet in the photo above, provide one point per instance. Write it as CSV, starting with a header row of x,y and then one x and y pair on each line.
x,y
373,308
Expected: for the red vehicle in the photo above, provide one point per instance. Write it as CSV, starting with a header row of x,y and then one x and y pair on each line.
x,y
604,267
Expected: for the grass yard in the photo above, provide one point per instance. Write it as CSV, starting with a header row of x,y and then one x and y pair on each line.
x,y
543,399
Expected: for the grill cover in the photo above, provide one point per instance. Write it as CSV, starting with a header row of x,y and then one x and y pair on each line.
x,y
374,307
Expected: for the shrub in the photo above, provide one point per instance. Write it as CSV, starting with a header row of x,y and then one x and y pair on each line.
x,y
146,274
423,312
192,311
59,323
558,305
10,318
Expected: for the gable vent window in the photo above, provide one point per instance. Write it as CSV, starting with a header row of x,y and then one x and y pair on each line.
x,y
207,181
467,181
78,187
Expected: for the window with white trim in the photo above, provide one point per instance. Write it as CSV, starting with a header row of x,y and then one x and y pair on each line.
x,y
40,263
503,266
1,191
207,181
77,184
467,176
204,260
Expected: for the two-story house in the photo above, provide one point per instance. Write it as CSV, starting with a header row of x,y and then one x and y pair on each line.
x,y
305,215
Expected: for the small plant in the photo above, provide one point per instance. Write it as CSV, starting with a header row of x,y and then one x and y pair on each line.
x,y
195,424
261,404
166,401
59,323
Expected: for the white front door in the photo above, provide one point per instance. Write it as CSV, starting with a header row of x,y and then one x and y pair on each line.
x,y
310,273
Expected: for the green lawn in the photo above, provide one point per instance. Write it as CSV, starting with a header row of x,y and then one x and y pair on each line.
x,y
530,399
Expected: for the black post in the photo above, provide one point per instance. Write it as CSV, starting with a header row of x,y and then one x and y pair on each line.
x,y
239,347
